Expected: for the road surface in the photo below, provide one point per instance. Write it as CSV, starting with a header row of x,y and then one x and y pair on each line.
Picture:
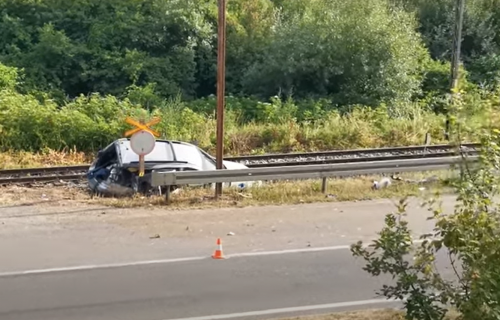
x,y
115,280
190,289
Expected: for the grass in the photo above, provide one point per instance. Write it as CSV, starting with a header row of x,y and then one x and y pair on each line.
x,y
382,314
48,158
279,193
284,192
84,125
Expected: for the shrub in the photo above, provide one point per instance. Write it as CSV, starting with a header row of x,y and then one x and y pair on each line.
x,y
468,238
34,122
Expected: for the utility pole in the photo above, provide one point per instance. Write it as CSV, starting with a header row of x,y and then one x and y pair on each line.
x,y
457,42
221,88
455,60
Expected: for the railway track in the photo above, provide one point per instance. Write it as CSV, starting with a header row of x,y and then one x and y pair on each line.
x,y
76,173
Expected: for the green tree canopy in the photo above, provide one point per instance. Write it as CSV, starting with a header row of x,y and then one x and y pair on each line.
x,y
360,51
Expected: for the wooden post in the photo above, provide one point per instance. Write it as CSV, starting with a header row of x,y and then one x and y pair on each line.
x,y
221,88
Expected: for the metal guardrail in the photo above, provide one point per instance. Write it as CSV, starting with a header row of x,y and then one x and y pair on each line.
x,y
173,178
47,174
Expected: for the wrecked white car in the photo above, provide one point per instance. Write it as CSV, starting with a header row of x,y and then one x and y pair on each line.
x,y
115,170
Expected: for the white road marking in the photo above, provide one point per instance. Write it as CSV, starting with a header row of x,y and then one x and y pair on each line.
x,y
167,261
291,310
288,251
98,266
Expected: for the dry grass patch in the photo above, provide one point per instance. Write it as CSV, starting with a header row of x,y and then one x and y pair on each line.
x,y
388,314
49,158
279,193
382,314
40,194
292,192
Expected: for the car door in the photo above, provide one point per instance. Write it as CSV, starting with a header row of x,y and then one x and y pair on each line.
x,y
192,155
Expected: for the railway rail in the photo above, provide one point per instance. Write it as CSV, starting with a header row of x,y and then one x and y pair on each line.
x,y
75,173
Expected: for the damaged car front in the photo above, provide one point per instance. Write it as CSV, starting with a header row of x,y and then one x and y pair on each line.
x,y
115,170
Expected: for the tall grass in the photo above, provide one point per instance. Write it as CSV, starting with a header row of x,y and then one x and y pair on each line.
x,y
89,123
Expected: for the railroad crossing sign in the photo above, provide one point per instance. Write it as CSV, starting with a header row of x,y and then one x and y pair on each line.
x,y
142,126
142,143
142,140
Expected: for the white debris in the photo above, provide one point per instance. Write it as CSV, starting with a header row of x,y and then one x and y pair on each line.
x,y
383,183
230,233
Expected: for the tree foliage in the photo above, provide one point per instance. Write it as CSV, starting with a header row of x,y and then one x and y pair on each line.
x,y
352,51
297,63
358,51
481,33
465,241
104,46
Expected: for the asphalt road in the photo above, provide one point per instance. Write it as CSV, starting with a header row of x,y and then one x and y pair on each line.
x,y
244,287
189,289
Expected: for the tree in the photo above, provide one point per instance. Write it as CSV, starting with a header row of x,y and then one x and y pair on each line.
x,y
104,46
481,33
358,51
468,237
249,29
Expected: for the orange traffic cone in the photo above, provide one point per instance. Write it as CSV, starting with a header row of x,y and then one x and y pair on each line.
x,y
218,253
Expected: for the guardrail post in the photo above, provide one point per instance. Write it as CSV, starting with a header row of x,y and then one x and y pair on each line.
x,y
167,195
323,185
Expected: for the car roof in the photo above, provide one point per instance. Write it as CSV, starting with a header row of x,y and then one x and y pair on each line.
x,y
157,140
166,154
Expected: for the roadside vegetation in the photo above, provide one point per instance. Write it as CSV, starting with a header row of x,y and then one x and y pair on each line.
x,y
70,72
456,265
277,193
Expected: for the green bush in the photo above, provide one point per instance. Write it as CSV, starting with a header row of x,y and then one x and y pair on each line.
x,y
466,238
357,51
35,122
90,123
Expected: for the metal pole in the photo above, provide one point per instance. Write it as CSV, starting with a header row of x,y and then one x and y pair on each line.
x,y
324,185
221,88
455,59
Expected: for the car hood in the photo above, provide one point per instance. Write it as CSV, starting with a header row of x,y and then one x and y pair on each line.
x,y
234,165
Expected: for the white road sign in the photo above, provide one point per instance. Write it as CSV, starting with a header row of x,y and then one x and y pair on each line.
x,y
142,142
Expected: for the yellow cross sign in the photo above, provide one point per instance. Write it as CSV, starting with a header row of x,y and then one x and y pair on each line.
x,y
142,126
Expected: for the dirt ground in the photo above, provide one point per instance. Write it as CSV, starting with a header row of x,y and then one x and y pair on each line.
x,y
356,315
363,315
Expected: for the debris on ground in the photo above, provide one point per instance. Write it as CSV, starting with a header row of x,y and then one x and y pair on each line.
x,y
386,182
248,196
421,181
383,183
